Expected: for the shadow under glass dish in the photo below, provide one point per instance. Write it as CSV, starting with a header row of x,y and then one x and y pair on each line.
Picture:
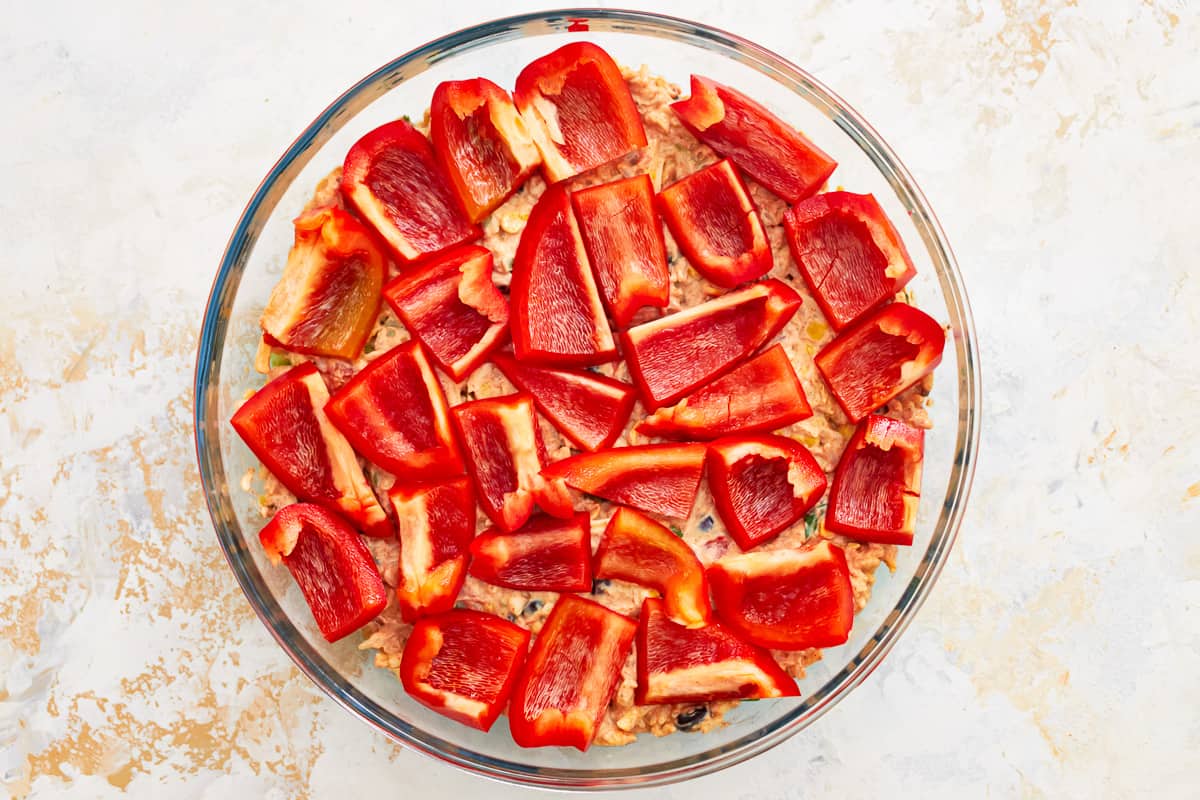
x,y
253,261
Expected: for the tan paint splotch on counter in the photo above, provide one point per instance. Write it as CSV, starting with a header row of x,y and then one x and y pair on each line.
x,y
127,650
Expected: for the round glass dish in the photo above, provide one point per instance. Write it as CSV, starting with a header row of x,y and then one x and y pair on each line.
x,y
254,258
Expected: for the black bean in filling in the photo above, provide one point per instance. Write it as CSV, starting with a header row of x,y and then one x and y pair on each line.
x,y
686,720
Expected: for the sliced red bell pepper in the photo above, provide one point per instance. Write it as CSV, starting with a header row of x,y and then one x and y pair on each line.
x,y
715,224
505,455
877,485
677,664
674,355
463,664
544,555
590,410
763,394
453,307
849,252
571,674
328,297
658,478
579,110
880,356
785,599
482,142
772,152
435,523
394,413
637,549
331,565
393,181
762,485
624,243
284,424
557,316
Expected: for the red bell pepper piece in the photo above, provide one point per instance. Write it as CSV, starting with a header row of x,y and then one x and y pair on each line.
x,y
579,110
327,300
674,355
571,674
785,599
763,394
435,523
880,356
331,565
505,456
545,555
394,413
762,485
715,224
624,243
658,478
637,549
463,664
482,141
393,181
849,252
453,307
284,424
877,485
677,664
557,316
590,410
772,152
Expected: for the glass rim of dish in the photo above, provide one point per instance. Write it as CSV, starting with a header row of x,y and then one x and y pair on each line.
x,y
263,203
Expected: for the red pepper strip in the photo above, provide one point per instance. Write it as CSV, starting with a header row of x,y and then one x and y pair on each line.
x,y
327,559
393,181
715,224
772,152
763,394
328,297
676,354
394,413
786,599
463,664
571,675
284,424
877,485
482,142
880,356
676,664
435,523
625,246
557,316
579,110
590,410
850,253
453,307
505,454
545,555
658,478
762,485
637,549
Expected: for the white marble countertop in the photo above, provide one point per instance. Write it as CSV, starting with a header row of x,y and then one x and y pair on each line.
x,y
1059,655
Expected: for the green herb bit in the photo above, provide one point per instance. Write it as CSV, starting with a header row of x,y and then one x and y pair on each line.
x,y
812,520
675,529
280,359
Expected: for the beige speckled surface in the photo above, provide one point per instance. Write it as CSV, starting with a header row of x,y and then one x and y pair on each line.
x,y
1058,656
